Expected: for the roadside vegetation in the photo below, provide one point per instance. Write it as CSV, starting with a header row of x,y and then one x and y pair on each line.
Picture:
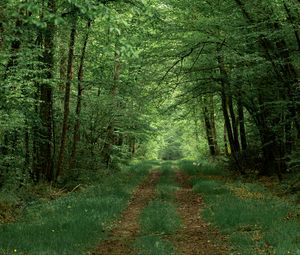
x,y
75,222
255,220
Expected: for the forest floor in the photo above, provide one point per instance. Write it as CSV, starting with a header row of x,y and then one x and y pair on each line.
x,y
194,237
159,208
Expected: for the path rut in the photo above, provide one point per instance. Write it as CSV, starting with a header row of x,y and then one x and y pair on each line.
x,y
196,237
123,234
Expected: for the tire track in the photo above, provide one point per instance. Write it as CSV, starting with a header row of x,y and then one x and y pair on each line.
x,y
126,230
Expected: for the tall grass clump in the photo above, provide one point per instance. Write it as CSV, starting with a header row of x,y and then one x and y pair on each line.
x,y
159,217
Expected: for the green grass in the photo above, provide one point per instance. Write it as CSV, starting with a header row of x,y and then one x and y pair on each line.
x,y
208,186
202,167
72,224
159,217
255,221
167,186
153,245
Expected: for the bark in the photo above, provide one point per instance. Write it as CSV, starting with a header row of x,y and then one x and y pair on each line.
x,y
208,129
44,164
224,98
213,124
208,115
64,131
225,141
234,123
224,84
26,149
242,123
76,134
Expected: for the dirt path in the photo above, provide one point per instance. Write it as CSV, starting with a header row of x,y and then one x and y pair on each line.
x,y
196,237
121,237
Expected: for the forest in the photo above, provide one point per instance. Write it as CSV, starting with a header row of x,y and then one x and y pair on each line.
x,y
149,127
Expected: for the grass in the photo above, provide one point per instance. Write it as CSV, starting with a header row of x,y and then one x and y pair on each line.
x,y
167,186
159,218
202,167
72,224
153,245
255,221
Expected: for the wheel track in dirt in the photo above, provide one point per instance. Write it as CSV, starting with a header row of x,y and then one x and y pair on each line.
x,y
120,239
196,237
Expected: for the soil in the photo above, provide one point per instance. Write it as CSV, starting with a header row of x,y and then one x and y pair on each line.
x,y
126,230
196,237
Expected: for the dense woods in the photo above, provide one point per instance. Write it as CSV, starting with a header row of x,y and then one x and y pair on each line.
x,y
149,127
90,85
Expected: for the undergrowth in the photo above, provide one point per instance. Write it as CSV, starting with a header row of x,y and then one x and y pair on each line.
x,y
255,221
74,223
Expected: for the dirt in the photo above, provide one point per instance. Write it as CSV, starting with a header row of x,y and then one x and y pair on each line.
x,y
196,237
126,230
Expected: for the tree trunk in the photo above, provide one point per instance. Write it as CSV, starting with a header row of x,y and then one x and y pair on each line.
x,y
213,124
224,98
67,96
242,123
110,132
227,153
234,123
44,162
76,135
210,127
